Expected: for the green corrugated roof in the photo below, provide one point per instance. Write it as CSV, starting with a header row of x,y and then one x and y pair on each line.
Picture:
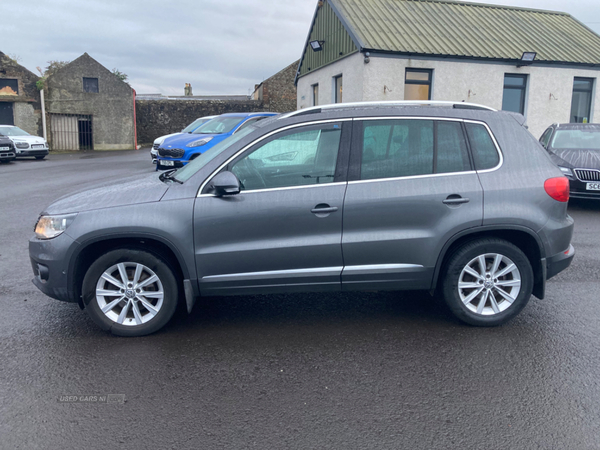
x,y
474,30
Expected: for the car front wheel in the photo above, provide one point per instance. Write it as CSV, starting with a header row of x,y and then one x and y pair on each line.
x,y
487,282
130,292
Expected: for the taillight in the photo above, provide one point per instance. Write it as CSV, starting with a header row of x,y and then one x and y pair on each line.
x,y
557,188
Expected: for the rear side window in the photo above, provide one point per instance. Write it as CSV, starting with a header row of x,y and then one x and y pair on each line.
x,y
401,148
484,151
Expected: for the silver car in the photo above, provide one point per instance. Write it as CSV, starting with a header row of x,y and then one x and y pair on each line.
x,y
456,199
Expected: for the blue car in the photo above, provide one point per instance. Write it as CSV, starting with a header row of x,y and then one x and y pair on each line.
x,y
177,151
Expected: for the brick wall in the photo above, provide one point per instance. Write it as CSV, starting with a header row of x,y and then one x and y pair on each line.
x,y
278,93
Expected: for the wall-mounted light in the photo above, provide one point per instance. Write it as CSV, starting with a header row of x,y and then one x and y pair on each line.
x,y
367,57
527,58
317,46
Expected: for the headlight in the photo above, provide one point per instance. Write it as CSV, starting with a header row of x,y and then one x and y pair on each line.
x,y
568,172
159,140
49,227
199,142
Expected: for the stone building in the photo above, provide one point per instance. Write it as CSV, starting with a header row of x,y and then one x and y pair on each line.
x,y
542,64
89,107
278,93
19,97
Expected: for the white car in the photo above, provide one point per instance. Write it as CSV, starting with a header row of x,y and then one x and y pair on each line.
x,y
25,143
191,127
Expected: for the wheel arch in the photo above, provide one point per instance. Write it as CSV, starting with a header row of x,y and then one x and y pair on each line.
x,y
524,238
90,250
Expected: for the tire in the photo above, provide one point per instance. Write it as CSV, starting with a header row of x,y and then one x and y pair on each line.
x,y
476,296
134,314
40,157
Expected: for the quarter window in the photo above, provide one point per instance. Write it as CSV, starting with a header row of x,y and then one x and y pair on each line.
x,y
292,158
400,148
513,98
90,85
417,84
581,103
485,155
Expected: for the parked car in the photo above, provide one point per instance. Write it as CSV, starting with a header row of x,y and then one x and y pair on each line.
x,y
178,150
7,150
189,129
459,200
25,144
575,148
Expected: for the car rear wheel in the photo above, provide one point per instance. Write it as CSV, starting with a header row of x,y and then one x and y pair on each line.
x,y
130,292
487,282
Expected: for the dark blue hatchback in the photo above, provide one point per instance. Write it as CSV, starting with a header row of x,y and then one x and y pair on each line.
x,y
177,151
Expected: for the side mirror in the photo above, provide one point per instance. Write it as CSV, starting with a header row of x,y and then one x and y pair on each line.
x,y
224,183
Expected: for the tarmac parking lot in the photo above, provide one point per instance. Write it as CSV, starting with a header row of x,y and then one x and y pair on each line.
x,y
304,371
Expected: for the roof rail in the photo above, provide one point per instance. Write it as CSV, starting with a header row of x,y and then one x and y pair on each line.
x,y
318,109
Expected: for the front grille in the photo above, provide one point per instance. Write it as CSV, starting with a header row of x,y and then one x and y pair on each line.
x,y
155,146
588,174
171,152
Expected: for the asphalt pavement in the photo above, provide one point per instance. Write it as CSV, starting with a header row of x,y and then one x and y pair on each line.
x,y
389,370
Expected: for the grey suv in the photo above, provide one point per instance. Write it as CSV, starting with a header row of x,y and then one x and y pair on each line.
x,y
455,199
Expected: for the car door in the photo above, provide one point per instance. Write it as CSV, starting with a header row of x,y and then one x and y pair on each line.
x,y
283,231
411,187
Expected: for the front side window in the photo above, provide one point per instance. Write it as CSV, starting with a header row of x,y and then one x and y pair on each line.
x,y
581,103
315,95
292,158
485,155
513,98
401,148
9,86
338,88
417,84
90,85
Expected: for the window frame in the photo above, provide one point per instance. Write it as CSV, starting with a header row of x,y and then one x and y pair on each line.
x,y
341,170
523,89
315,94
590,91
428,83
338,98
84,85
354,170
16,80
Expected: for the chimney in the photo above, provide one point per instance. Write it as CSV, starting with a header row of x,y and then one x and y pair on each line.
x,y
187,91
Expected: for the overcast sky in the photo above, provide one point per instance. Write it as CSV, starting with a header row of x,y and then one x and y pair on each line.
x,y
219,46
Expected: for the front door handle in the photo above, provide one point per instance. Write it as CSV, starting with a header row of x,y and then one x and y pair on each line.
x,y
323,210
455,199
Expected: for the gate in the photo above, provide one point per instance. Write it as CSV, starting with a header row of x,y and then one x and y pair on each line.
x,y
71,132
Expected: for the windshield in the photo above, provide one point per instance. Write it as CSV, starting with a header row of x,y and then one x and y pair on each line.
x,y
12,131
588,139
219,125
195,124
186,172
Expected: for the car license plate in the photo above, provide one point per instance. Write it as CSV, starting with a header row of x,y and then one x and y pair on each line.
x,y
37,146
167,163
593,186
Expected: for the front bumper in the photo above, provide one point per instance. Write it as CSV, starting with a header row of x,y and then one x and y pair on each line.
x,y
50,263
32,152
577,189
6,156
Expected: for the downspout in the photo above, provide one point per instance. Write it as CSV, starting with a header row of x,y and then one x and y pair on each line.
x,y
134,123
43,115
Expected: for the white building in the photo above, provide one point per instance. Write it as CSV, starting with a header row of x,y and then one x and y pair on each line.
x,y
375,50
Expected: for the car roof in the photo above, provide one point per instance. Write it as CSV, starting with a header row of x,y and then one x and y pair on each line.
x,y
248,114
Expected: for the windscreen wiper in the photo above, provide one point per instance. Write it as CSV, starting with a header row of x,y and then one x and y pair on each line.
x,y
169,175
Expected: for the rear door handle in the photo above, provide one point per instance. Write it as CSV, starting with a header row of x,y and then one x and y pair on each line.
x,y
455,200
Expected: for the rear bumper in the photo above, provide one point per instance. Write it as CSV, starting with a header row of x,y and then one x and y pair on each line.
x,y
559,262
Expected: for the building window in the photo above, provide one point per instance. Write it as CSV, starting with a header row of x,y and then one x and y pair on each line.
x,y
315,95
417,84
90,85
337,89
513,98
9,86
581,103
